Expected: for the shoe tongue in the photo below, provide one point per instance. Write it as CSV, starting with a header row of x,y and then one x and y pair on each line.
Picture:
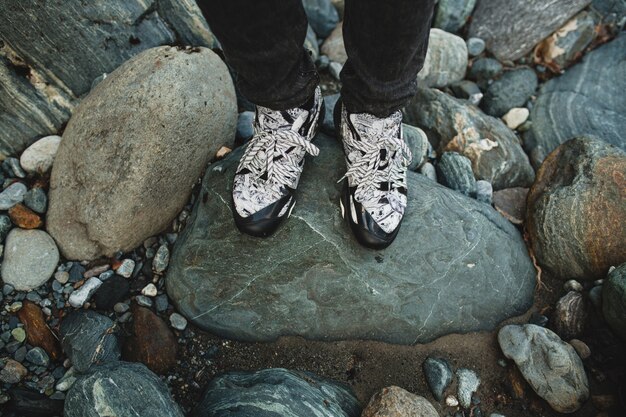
x,y
372,128
276,119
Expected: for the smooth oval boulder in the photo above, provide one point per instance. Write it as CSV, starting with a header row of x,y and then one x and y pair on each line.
x,y
576,210
135,146
456,265
120,389
276,393
551,367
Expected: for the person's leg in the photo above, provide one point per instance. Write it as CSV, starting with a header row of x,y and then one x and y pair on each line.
x,y
263,42
386,43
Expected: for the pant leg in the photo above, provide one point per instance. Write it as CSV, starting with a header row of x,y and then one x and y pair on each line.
x,y
386,43
263,42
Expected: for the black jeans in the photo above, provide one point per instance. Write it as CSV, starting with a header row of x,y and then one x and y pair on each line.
x,y
262,40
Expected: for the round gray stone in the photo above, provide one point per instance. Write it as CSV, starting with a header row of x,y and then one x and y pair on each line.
x,y
513,89
446,60
314,280
30,259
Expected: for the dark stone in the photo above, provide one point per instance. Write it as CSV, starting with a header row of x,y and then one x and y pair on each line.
x,y
512,29
76,272
151,341
276,393
109,33
455,171
614,300
111,292
314,280
511,203
5,227
484,69
121,389
586,100
455,126
451,15
37,356
513,89
438,376
245,126
328,127
322,16
576,210
467,90
89,338
36,200
32,404
570,316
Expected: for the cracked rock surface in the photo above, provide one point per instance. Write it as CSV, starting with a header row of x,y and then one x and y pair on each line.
x,y
456,266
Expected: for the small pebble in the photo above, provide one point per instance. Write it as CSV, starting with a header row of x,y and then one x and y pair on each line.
x,y
595,295
475,46
428,170
245,131
62,276
84,293
161,303
36,200
14,307
17,170
161,259
126,268
178,322
149,290
120,308
484,191
13,372
12,195
96,271
573,285
38,356
106,275
19,334
516,117
76,272
124,318
39,156
451,401
143,301
468,383
581,348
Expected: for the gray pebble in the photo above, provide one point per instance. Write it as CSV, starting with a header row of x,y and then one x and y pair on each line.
x,y
121,308
438,376
124,318
84,293
20,353
143,301
38,356
475,46
428,170
484,191
468,384
16,168
595,295
161,303
178,322
161,259
36,200
12,195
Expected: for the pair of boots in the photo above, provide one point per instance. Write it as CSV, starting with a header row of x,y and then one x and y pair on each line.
x,y
374,194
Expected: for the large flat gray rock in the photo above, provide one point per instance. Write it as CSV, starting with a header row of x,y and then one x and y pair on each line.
x,y
588,99
512,28
456,266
